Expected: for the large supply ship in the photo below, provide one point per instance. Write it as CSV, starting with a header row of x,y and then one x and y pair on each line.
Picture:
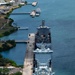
x,y
43,51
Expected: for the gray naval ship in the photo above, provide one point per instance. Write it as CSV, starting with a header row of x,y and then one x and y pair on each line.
x,y
43,35
43,52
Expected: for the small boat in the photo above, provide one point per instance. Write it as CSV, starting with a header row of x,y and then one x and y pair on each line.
x,y
38,10
34,3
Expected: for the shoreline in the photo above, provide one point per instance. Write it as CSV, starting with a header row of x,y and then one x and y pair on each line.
x,y
7,45
7,29
11,10
11,29
8,23
8,65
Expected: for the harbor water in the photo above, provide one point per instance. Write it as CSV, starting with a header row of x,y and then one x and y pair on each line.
x,y
60,16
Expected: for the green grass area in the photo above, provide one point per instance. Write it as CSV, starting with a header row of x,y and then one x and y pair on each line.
x,y
5,61
7,45
17,73
7,29
6,32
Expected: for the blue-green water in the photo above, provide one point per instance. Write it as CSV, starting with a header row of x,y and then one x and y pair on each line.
x,y
60,16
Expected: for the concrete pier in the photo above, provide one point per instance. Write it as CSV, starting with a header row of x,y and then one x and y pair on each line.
x,y
21,41
23,28
28,62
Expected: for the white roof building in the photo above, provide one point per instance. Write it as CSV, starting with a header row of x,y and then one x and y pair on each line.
x,y
2,2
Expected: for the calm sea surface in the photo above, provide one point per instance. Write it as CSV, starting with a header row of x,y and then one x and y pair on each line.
x,y
60,16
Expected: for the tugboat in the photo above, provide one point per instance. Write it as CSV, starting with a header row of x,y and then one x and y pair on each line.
x,y
43,35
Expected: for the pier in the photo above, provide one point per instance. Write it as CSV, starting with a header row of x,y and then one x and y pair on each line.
x,y
21,41
28,62
20,13
23,28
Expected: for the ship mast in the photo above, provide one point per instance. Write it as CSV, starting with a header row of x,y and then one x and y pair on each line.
x,y
43,23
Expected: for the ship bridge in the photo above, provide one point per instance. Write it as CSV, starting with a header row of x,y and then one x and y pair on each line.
x,y
43,34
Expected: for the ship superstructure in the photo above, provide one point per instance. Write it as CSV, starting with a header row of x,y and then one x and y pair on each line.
x,y
43,61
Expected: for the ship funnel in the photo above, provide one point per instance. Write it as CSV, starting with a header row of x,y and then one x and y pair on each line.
x,y
43,22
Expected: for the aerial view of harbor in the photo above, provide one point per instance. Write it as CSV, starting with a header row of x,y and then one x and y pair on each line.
x,y
37,37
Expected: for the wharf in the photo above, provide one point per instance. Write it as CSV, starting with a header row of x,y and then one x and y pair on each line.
x,y
21,41
28,62
23,28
